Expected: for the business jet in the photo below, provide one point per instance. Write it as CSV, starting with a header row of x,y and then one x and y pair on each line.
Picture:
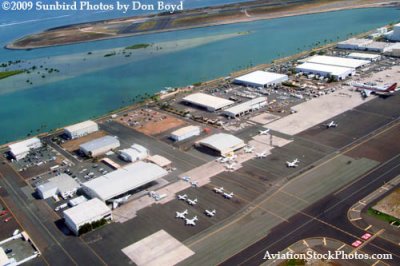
x,y
293,164
264,132
228,195
192,221
261,155
219,190
182,197
331,124
210,213
192,202
181,215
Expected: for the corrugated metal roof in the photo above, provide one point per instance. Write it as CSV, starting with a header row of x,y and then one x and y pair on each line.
x,y
206,100
222,142
87,211
246,106
23,146
124,179
337,61
185,130
334,70
82,125
260,77
98,143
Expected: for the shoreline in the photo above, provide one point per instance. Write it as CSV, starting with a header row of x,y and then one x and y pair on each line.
x,y
203,85
274,15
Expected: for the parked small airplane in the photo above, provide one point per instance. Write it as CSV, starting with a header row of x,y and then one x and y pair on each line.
x,y
182,197
248,149
264,132
181,215
194,183
331,124
210,213
261,155
293,164
228,195
230,166
186,178
219,190
192,202
191,221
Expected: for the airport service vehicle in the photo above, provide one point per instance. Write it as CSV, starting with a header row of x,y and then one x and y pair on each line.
x,y
367,89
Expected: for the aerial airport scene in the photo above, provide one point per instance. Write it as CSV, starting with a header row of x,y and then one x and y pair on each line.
x,y
224,132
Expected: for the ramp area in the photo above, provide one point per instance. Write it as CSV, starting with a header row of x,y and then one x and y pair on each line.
x,y
159,248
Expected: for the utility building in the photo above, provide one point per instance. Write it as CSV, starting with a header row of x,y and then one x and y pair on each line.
x,y
81,129
246,107
99,146
185,133
85,213
135,153
62,185
206,101
20,149
364,56
123,180
222,143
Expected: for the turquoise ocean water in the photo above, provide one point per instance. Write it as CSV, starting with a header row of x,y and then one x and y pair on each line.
x,y
84,90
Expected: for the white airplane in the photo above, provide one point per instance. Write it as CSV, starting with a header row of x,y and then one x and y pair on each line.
x,y
182,215
293,164
367,89
223,159
182,197
219,190
228,195
194,183
186,178
230,166
264,132
261,155
210,213
248,149
331,124
192,202
191,221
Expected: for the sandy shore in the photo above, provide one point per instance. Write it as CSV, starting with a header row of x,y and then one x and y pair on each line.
x,y
96,31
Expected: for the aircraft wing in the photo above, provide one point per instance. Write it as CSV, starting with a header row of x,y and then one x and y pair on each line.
x,y
367,93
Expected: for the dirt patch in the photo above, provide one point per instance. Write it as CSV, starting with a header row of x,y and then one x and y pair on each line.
x,y
73,145
390,204
150,122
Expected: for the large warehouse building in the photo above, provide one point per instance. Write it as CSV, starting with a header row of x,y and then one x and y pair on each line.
x,y
85,213
20,149
395,34
246,107
261,79
364,56
123,180
336,72
99,146
62,185
354,44
81,129
223,143
336,61
208,102
185,133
